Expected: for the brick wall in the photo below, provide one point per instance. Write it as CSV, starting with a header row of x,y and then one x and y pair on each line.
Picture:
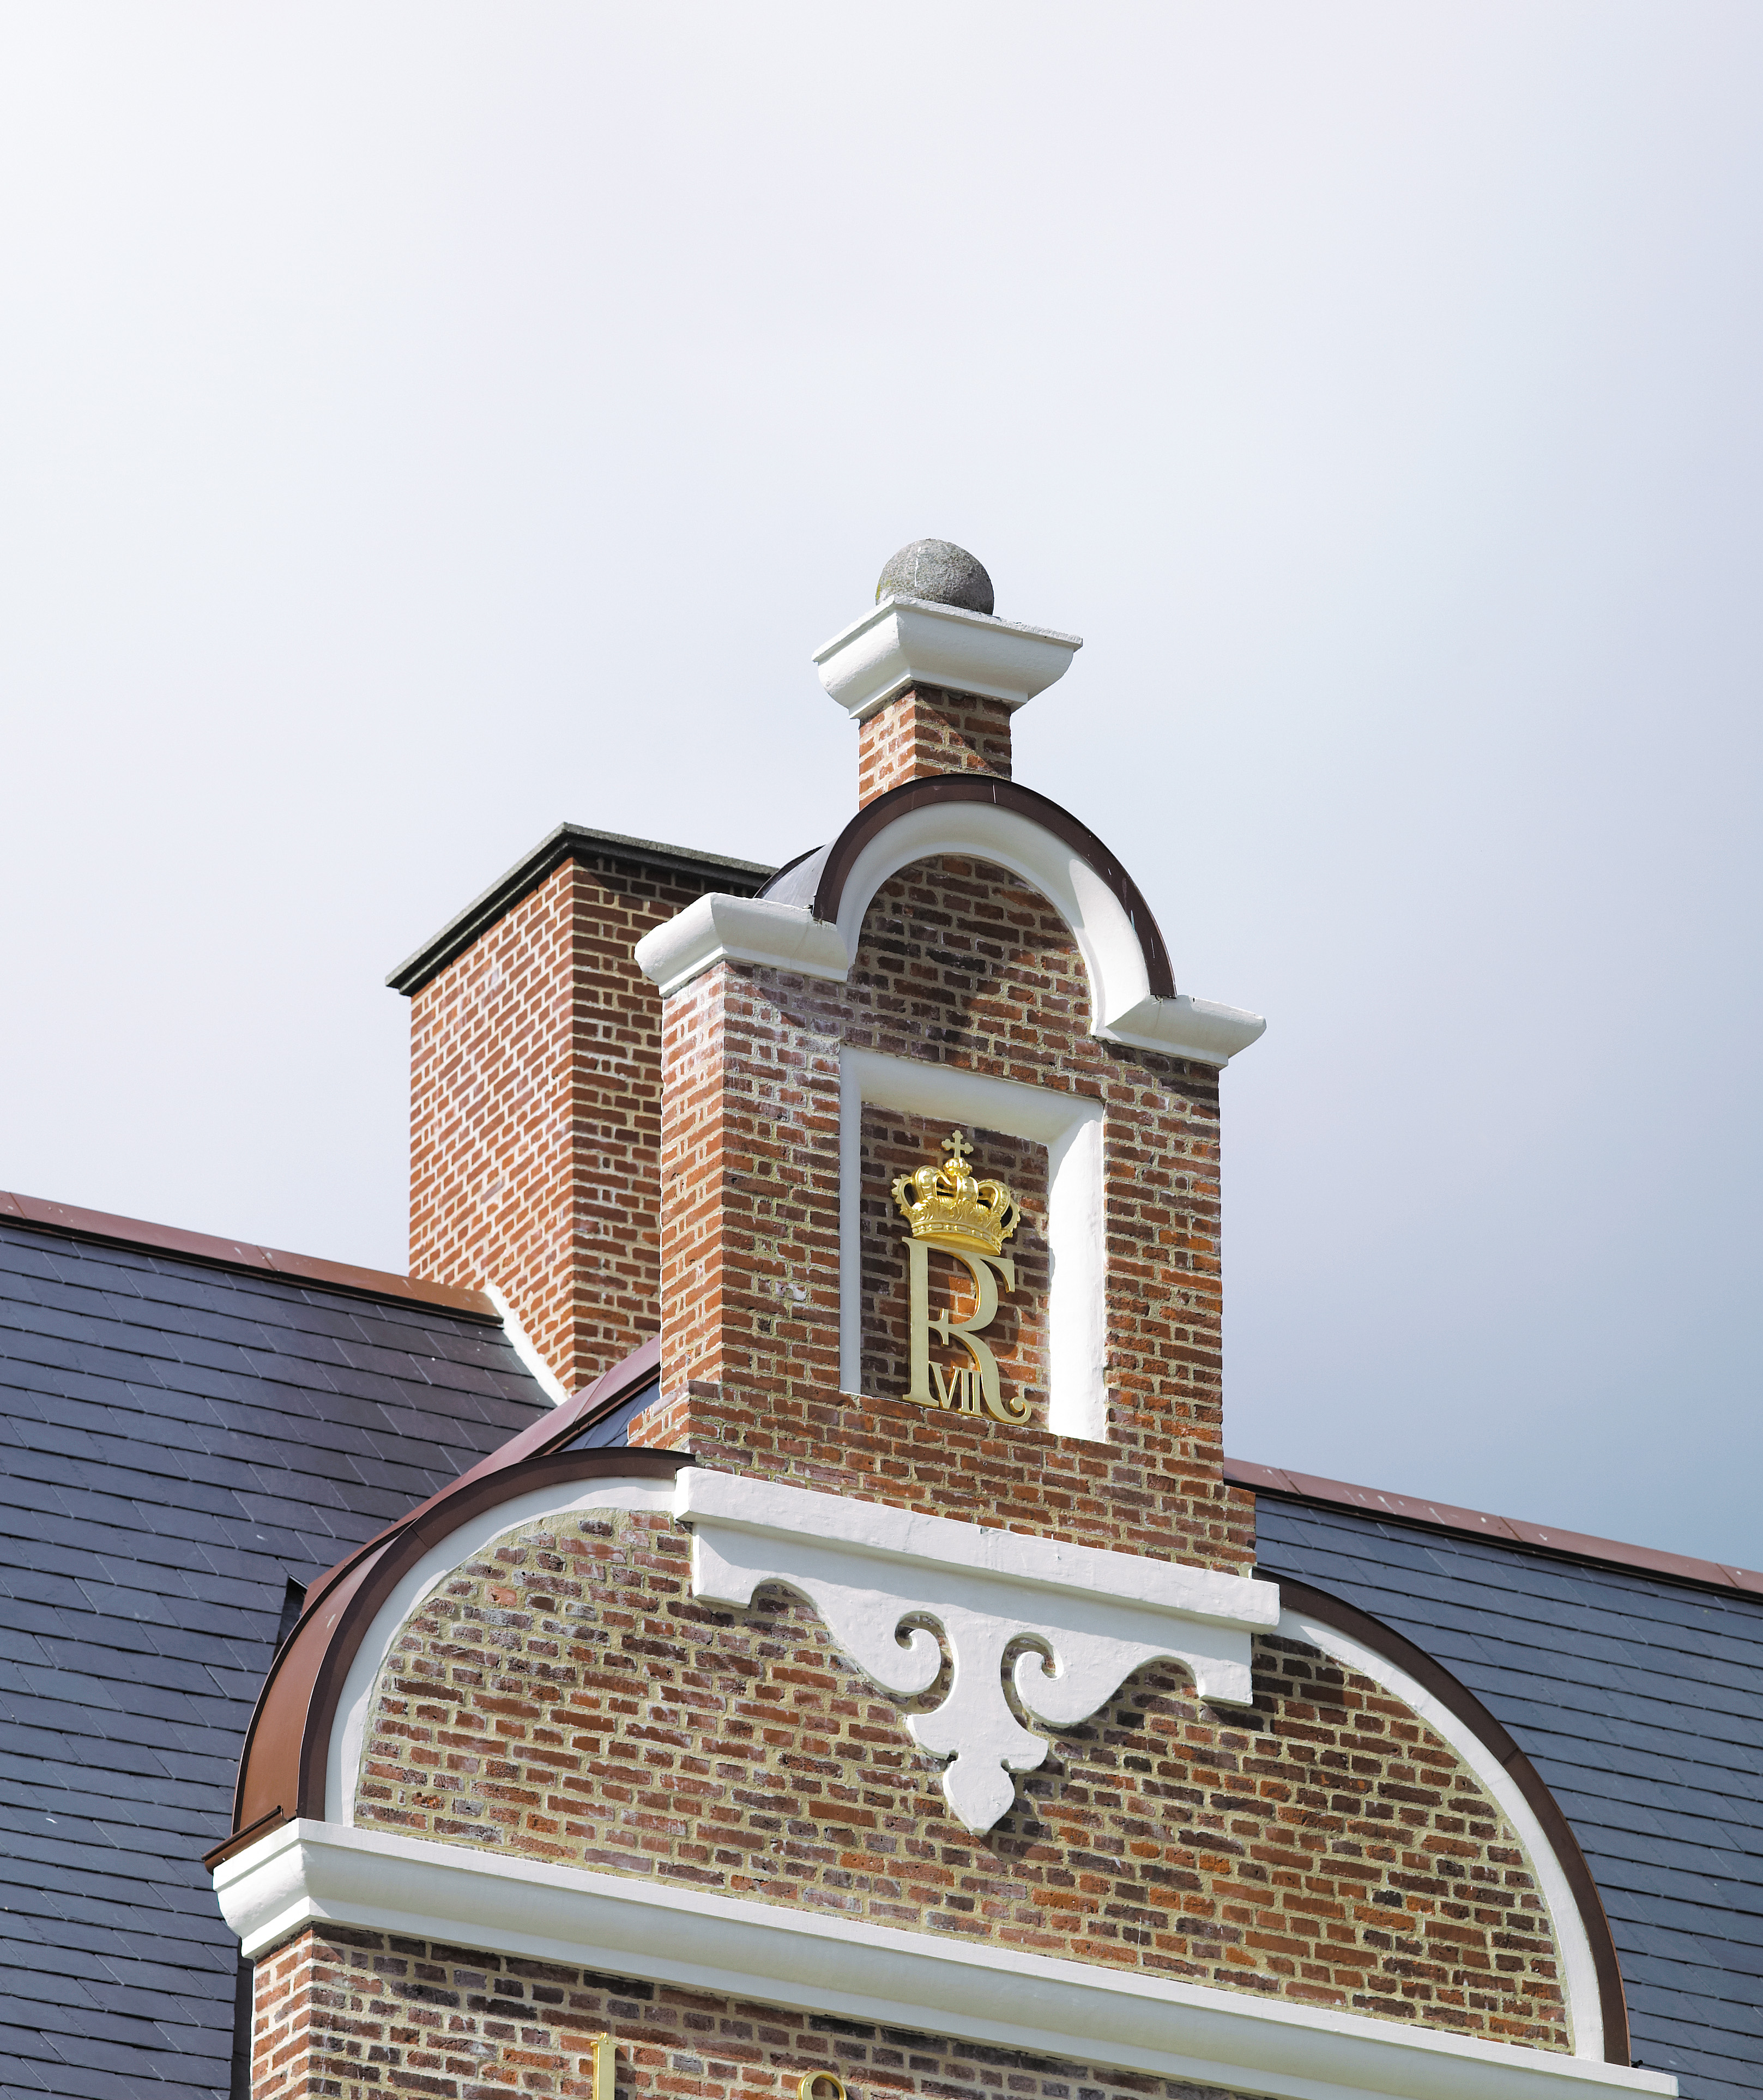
x,y
351,2015
535,1085
564,1699
926,730
957,963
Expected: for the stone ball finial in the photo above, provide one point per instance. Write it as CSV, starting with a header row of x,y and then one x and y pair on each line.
x,y
940,570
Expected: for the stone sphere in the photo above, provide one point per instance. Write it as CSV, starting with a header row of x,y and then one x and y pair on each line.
x,y
940,570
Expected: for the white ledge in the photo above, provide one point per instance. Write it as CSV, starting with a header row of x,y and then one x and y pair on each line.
x,y
1186,1027
764,1509
1078,1621
741,929
309,1872
909,641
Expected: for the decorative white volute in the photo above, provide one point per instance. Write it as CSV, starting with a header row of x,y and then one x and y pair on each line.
x,y
1087,1619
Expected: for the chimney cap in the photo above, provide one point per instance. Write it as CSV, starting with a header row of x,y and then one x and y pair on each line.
x,y
937,572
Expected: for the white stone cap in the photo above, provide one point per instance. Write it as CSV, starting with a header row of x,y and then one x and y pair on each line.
x,y
909,641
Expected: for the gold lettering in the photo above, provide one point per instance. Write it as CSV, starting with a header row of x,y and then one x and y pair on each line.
x,y
966,1390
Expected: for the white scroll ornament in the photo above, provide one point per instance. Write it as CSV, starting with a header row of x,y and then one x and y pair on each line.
x,y
1087,1619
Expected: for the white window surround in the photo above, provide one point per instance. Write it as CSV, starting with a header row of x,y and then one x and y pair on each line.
x,y
788,936
1070,1127
307,1873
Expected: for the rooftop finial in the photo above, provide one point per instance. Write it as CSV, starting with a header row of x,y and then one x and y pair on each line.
x,y
938,570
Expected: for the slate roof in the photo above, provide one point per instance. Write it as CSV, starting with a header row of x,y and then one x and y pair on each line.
x,y
178,1442
1640,1701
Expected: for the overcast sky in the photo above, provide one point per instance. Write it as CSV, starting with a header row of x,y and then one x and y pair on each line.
x,y
423,423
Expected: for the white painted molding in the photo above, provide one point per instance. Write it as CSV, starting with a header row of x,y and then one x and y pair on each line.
x,y
540,1370
1094,1618
909,641
1070,1127
1579,1970
788,936
969,1990
476,1535
1121,1007
741,929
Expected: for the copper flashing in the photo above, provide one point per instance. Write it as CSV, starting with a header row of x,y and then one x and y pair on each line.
x,y
741,878
1458,1699
876,816
281,1768
1482,1524
41,1215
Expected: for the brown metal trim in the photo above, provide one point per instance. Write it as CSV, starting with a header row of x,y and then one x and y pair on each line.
x,y
567,842
1459,1699
382,1577
288,1741
1482,1524
240,1839
42,1216
876,816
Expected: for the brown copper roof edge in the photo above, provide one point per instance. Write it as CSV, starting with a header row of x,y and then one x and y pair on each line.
x,y
1455,1695
876,816
43,1215
1483,1523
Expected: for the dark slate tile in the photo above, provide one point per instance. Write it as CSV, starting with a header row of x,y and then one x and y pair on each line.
x,y
176,1441
1639,1699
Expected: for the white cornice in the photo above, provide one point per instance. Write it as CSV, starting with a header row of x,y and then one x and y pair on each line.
x,y
909,641
308,1872
741,929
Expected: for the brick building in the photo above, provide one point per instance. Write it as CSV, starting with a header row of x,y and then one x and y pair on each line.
x,y
763,1608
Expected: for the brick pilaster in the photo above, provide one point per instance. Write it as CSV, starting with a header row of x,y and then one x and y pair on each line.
x,y
925,730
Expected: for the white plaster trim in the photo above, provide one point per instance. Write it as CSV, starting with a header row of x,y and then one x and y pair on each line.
x,y
906,640
975,1991
1070,1127
524,1349
1121,1007
1094,1618
741,929
1585,2002
342,1770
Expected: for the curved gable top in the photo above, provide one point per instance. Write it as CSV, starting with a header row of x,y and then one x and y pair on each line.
x,y
1133,998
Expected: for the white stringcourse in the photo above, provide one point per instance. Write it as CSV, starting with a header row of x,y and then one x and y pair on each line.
x,y
1080,1621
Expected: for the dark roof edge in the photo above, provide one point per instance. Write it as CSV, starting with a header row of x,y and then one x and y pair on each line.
x,y
42,1216
1481,1523
527,874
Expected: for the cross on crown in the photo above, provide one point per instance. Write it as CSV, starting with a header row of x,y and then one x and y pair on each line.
x,y
945,1205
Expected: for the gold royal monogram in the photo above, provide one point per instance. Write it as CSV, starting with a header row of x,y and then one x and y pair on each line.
x,y
947,1208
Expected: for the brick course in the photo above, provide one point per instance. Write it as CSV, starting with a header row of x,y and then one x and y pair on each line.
x,y
351,2014
927,730
959,964
536,1112
564,1699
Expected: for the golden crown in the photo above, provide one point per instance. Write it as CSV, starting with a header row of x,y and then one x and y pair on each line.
x,y
946,1205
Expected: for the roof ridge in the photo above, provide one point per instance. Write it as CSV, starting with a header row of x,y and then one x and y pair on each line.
x,y
41,1215
1484,1524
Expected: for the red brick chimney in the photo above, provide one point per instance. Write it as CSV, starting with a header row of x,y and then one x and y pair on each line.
x,y
536,1092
